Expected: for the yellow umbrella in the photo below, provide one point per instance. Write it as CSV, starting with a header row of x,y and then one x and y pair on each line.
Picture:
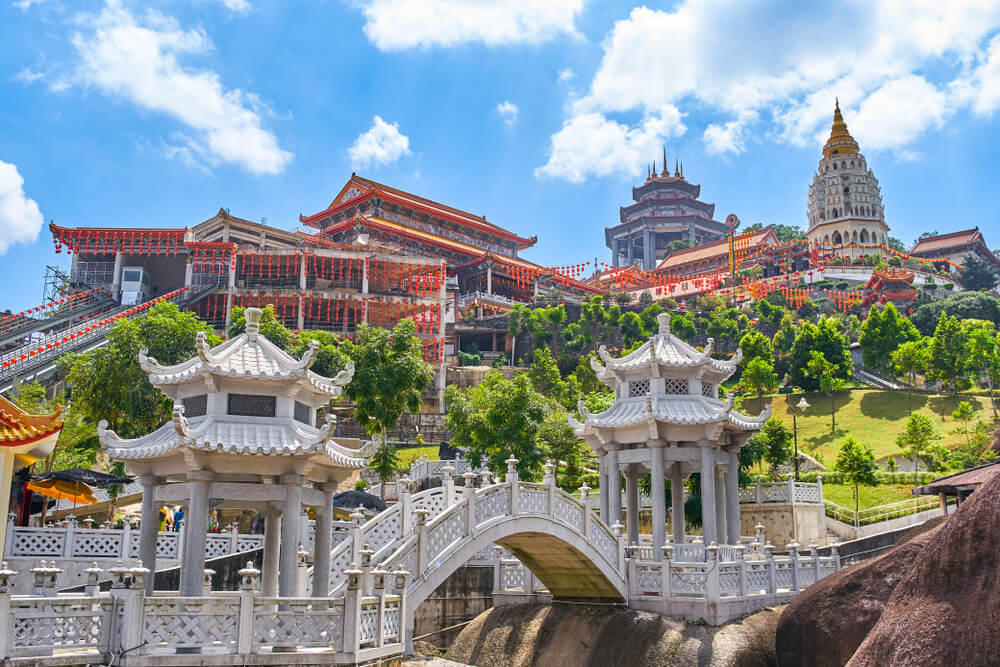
x,y
75,492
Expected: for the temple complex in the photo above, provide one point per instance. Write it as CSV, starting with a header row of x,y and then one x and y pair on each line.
x,y
666,208
667,415
891,285
955,247
845,202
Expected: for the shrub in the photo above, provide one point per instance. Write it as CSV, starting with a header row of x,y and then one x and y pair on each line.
x,y
843,284
465,359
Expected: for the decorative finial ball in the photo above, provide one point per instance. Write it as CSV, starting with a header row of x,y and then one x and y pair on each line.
x,y
732,221
252,316
663,320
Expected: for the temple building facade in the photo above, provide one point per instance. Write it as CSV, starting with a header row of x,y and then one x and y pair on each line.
x,y
845,202
956,248
666,208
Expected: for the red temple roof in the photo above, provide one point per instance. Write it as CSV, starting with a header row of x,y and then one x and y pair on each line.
x,y
943,242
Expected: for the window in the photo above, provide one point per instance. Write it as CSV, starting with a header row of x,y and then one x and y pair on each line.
x,y
675,386
131,276
195,406
707,390
638,387
251,405
301,412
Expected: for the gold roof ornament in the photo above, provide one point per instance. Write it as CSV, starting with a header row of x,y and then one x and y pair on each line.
x,y
840,142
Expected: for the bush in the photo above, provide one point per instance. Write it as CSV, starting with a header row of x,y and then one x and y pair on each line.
x,y
468,359
360,485
843,284
948,286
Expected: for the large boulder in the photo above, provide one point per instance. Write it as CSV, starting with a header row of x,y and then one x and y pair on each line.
x,y
946,610
824,625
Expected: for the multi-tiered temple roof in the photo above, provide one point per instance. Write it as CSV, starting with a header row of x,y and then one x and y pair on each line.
x,y
664,382
246,396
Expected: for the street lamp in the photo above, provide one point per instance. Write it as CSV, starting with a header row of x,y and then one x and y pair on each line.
x,y
801,405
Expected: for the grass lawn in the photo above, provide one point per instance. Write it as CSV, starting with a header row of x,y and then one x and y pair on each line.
x,y
872,416
868,496
407,455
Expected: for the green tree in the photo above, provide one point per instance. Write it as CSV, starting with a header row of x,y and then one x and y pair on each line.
x,y
825,373
964,306
389,375
984,353
782,344
976,450
632,330
557,439
516,320
759,377
682,327
918,435
825,338
776,441
963,413
856,463
270,326
498,419
909,359
723,327
329,359
949,360
755,345
882,332
978,274
385,462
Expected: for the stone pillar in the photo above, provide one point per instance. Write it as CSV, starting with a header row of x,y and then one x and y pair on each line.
x,y
489,278
603,491
272,545
733,498
148,529
720,505
707,470
188,274
632,503
677,501
943,504
657,490
196,526
629,251
116,277
648,255
290,534
614,486
321,545
302,272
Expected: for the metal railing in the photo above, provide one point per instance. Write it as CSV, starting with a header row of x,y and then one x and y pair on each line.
x,y
879,513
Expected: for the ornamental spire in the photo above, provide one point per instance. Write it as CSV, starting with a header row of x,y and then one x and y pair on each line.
x,y
840,142
665,160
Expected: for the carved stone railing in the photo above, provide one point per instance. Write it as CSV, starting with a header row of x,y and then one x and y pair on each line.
x,y
74,541
801,493
363,625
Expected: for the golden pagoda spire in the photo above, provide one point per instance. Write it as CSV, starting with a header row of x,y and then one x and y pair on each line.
x,y
840,142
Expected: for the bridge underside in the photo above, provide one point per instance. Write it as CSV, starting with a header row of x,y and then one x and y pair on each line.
x,y
567,573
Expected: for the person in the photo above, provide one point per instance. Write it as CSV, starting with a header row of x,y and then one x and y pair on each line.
x,y
178,517
166,518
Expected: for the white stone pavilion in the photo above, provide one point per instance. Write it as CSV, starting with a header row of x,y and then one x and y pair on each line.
x,y
667,414
243,435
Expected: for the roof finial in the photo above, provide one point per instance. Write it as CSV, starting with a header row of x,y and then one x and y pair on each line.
x,y
663,320
252,316
654,166
677,169
649,174
682,170
664,158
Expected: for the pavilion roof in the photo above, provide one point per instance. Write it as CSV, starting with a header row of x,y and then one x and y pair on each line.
x,y
667,409
943,242
951,484
238,435
713,250
18,427
666,351
249,355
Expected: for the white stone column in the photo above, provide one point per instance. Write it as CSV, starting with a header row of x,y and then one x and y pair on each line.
x,y
677,501
188,274
489,278
720,505
707,471
632,503
148,530
196,526
733,498
321,545
603,491
272,545
658,490
116,277
614,486
288,559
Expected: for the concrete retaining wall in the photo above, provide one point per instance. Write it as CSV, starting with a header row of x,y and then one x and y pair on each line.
x,y
784,522
463,596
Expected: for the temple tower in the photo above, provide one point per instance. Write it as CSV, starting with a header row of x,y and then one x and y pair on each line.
x,y
845,202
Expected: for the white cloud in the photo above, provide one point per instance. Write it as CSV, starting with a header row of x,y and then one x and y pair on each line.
x,y
25,5
138,60
714,55
508,111
237,6
590,144
565,75
405,24
382,144
20,219
28,75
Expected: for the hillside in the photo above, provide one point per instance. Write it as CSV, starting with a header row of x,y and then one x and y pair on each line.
x,y
872,416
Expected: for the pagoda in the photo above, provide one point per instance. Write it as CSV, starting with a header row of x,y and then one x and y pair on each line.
x,y
243,435
666,208
667,413
891,285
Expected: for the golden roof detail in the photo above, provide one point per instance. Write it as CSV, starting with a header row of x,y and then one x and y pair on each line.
x,y
17,427
840,142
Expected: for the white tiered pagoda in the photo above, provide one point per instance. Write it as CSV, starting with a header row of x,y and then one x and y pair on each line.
x,y
243,435
667,413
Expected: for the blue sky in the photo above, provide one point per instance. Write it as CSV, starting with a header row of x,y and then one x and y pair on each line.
x,y
539,115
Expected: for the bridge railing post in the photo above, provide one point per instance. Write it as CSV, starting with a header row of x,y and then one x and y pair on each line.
x,y
244,634
378,590
772,575
668,555
835,554
550,483
619,531
513,480
741,561
585,499
712,590
793,554
405,509
420,515
448,482
399,582
470,502
357,516
497,569
352,609
366,568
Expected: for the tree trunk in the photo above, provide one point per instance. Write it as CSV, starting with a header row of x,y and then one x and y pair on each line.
x,y
833,412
